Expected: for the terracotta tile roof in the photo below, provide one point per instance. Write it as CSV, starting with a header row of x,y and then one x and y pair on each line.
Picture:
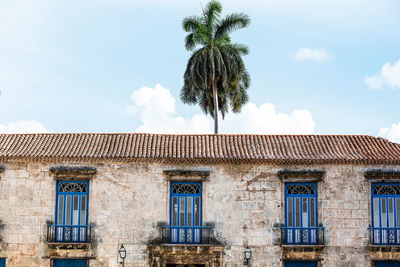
x,y
280,149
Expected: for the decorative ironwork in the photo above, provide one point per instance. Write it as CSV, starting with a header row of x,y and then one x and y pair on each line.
x,y
296,189
302,235
386,189
72,187
392,236
384,236
186,188
69,233
305,236
187,235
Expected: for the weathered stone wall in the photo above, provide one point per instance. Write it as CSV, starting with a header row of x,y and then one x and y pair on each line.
x,y
127,201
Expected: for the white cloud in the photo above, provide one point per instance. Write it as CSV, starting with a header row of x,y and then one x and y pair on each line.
x,y
23,127
265,120
318,55
389,77
392,133
156,109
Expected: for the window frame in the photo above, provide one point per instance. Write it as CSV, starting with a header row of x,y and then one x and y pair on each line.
x,y
58,193
290,232
378,229
185,195
308,196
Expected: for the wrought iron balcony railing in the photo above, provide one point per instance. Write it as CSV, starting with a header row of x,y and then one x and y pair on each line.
x,y
69,233
187,234
384,236
302,235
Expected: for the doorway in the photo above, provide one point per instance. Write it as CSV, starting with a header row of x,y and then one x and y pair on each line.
x,y
70,263
386,263
301,264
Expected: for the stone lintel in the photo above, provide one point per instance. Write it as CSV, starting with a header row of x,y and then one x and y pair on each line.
x,y
377,250
383,252
69,251
78,258
73,172
209,255
381,174
68,246
289,175
302,252
186,175
303,248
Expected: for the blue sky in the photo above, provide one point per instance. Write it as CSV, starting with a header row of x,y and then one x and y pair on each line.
x,y
323,67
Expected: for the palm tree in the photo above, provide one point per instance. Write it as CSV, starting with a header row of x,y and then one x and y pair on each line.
x,y
215,77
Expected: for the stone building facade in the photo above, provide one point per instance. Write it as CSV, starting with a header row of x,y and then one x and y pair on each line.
x,y
242,200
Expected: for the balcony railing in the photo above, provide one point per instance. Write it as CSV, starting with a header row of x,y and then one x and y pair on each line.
x,y
187,234
69,233
302,235
384,236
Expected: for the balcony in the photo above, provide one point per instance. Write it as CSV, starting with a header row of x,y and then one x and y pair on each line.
x,y
384,236
302,236
187,235
69,233
183,244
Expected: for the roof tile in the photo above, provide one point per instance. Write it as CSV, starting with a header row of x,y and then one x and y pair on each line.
x,y
281,149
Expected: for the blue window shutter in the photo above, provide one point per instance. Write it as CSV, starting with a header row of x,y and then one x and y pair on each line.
x,y
185,212
385,213
72,207
2,262
301,214
70,263
387,264
301,264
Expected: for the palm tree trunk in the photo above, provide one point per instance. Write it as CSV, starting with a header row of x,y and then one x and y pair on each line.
x,y
215,98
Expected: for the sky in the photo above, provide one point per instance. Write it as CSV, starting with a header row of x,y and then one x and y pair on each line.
x,y
317,67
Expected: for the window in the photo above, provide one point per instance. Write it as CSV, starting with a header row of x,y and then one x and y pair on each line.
x,y
301,218
185,212
385,213
72,211
2,262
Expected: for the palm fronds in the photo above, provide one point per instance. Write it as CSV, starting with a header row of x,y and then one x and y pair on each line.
x,y
215,77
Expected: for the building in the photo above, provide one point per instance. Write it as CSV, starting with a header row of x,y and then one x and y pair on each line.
x,y
199,200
